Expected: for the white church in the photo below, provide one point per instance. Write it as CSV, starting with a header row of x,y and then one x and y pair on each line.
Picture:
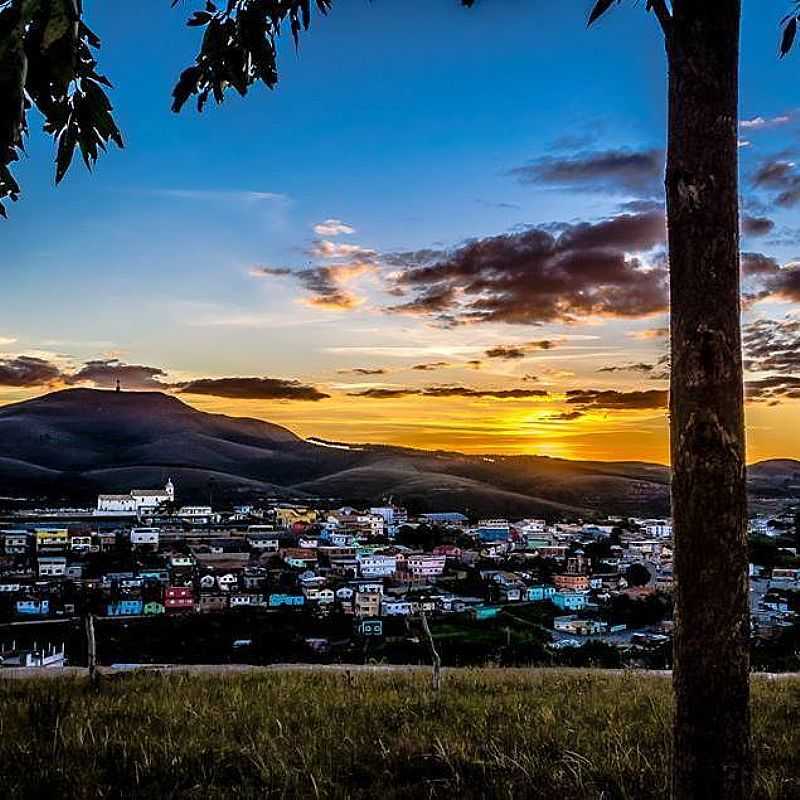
x,y
136,503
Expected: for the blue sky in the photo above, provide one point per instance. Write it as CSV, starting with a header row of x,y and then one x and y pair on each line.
x,y
402,119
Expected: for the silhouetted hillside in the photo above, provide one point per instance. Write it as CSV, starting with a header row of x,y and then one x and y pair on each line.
x,y
75,443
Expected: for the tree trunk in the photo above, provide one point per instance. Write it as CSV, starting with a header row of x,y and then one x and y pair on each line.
x,y
712,750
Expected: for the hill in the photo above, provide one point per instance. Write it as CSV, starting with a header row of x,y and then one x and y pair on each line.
x,y
488,733
75,443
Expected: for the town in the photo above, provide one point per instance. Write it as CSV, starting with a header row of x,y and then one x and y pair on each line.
x,y
290,582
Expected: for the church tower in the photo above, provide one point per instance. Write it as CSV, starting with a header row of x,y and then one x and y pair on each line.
x,y
170,490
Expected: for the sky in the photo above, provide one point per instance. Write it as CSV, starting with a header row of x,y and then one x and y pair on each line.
x,y
442,229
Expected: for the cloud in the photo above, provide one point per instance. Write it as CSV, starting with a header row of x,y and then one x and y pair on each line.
x,y
761,123
252,389
756,226
327,285
619,171
782,177
323,248
430,366
648,334
27,371
6,340
766,278
537,275
773,389
640,367
611,399
565,416
772,345
451,391
512,352
363,371
104,373
333,227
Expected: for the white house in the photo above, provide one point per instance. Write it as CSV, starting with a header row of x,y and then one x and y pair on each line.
x,y
141,537
377,566
136,502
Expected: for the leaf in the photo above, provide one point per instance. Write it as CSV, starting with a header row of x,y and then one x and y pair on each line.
x,y
600,8
789,32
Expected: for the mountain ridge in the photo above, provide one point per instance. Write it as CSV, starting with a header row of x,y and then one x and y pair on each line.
x,y
75,443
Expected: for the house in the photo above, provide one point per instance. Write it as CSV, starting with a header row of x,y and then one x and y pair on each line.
x,y
178,598
298,558
228,582
482,612
377,566
210,603
395,608
125,608
247,600
144,537
579,627
541,592
293,600
393,518
371,627
571,600
450,519
180,561
80,543
422,566
153,608
264,542
574,583
32,607
51,539
367,604
493,530
16,543
51,566
135,503
286,516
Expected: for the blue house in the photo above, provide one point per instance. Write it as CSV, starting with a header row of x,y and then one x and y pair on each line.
x,y
541,592
125,608
571,601
276,600
33,607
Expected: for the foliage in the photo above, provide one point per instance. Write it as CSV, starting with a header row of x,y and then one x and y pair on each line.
x,y
47,62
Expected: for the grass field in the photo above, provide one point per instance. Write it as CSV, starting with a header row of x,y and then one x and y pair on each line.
x,y
489,733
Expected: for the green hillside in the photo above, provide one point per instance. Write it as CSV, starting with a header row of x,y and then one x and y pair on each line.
x,y
489,733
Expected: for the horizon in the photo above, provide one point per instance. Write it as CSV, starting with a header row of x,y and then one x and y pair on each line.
x,y
428,264
352,443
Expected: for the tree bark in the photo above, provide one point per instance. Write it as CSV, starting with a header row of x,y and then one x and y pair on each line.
x,y
712,755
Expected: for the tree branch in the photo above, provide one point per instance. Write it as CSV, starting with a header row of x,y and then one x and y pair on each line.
x,y
659,8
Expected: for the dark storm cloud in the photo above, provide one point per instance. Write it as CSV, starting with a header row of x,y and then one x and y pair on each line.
x,y
772,345
782,178
363,371
621,171
27,371
105,373
773,389
641,367
756,226
430,366
537,275
252,389
765,277
516,351
451,391
610,399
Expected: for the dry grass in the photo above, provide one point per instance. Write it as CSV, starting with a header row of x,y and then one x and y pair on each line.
x,y
490,733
